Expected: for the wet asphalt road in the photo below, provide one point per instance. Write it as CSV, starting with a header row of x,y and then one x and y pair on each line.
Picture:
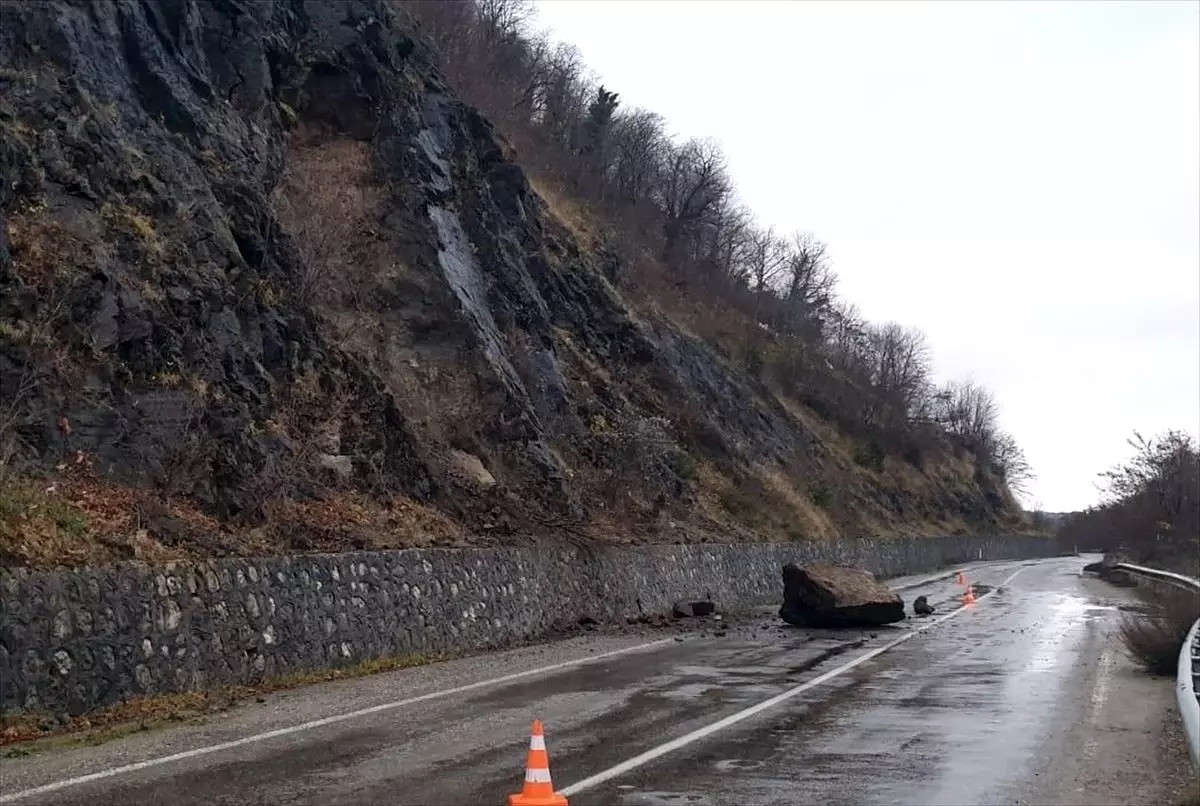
x,y
1023,697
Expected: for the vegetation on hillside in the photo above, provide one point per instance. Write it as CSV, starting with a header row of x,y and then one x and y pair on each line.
x,y
1149,513
1150,505
689,244
278,289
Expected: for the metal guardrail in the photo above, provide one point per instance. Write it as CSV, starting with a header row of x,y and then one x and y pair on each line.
x,y
1187,683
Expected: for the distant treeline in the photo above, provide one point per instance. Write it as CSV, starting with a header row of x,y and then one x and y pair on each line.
x,y
1150,508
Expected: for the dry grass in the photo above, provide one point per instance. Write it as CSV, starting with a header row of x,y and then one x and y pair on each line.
x,y
44,251
1153,638
326,202
790,505
808,518
137,230
147,713
838,444
74,521
569,212
27,507
70,521
398,522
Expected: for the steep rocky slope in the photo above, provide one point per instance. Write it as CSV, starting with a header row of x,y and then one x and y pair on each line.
x,y
266,285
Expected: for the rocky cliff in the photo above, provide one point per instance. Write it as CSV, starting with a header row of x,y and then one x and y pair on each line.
x,y
267,286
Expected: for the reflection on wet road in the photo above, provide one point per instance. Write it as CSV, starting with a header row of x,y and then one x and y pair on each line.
x,y
968,714
1019,698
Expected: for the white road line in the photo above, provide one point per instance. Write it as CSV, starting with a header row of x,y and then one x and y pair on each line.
x,y
920,583
732,719
330,720
995,565
318,723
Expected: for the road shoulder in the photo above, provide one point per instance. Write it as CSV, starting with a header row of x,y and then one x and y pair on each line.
x,y
1127,746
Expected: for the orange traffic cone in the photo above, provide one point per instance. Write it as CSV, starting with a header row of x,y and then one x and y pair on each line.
x,y
969,596
538,791
960,579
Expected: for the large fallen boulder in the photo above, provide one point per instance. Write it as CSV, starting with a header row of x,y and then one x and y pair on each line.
x,y
836,596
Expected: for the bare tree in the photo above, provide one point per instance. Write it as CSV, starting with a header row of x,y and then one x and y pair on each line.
x,y
1163,477
846,336
898,361
455,31
729,239
1009,461
766,259
505,19
488,52
1150,504
593,142
968,411
809,285
639,145
564,96
691,184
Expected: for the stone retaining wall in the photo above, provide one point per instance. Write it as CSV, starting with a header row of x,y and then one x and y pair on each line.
x,y
75,639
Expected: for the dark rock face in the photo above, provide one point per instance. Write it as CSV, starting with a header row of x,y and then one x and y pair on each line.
x,y
836,596
143,140
141,147
156,298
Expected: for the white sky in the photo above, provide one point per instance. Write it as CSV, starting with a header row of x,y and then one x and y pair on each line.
x,y
1019,180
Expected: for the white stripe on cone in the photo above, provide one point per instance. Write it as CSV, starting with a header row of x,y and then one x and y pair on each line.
x,y
537,776
537,742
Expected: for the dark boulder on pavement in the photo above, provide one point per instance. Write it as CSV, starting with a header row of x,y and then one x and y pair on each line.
x,y
836,596
693,609
1120,578
922,607
1105,565
1106,569
705,608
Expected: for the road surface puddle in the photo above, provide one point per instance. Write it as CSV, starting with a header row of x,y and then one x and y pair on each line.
x,y
736,764
691,691
667,799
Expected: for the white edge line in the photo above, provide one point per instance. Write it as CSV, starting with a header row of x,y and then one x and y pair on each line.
x,y
920,583
374,709
986,565
317,723
732,719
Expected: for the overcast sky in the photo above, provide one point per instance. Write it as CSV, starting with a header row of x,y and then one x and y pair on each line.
x,y
1019,180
